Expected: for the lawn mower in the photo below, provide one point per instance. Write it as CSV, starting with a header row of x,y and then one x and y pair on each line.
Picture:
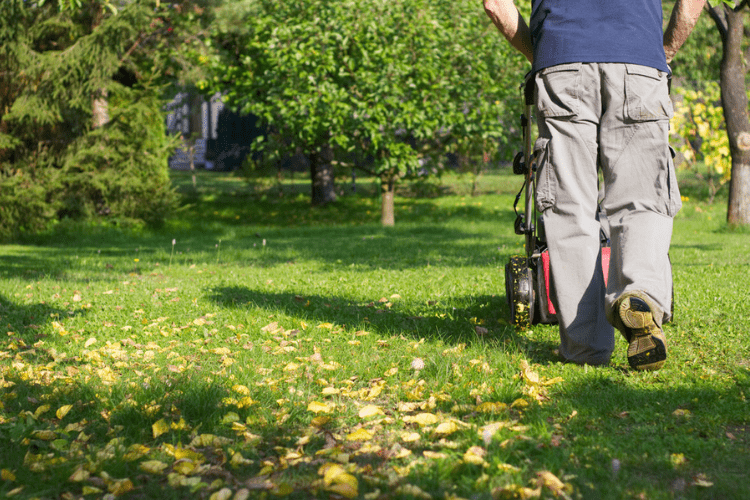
x,y
528,284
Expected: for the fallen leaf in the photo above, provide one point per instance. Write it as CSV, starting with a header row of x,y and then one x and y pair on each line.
x,y
317,407
422,419
369,411
159,427
62,411
360,435
153,466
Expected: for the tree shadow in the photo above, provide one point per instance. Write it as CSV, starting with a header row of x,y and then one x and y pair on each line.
x,y
641,435
471,319
23,320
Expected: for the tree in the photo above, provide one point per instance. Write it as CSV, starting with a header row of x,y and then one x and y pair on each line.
x,y
400,82
81,127
729,21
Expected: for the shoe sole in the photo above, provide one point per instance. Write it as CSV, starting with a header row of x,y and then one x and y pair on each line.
x,y
647,351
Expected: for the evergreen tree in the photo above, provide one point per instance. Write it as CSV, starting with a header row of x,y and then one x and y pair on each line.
x,y
57,67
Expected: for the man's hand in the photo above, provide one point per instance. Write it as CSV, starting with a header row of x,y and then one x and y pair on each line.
x,y
508,20
682,21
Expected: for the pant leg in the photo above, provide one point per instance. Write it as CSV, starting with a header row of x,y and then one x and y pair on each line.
x,y
641,193
568,111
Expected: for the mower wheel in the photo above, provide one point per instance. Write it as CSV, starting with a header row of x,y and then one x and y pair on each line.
x,y
519,291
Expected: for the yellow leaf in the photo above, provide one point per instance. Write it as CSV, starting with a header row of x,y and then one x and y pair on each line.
x,y
42,409
135,451
392,371
434,454
360,435
7,475
410,437
369,411
515,491
317,407
343,489
62,411
90,342
447,428
410,490
79,475
320,421
508,468
153,466
475,455
327,326
159,427
242,494
519,403
204,440
180,426
550,481
422,419
222,494
120,487
241,389
184,466
44,435
490,407
90,490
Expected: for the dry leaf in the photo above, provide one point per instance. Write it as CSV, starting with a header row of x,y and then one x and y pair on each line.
x,y
153,466
360,435
317,407
369,411
422,419
62,411
159,427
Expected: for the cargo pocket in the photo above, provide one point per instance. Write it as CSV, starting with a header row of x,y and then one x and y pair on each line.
x,y
546,181
646,94
675,199
558,90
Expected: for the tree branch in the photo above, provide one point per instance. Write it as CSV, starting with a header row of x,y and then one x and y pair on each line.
x,y
718,14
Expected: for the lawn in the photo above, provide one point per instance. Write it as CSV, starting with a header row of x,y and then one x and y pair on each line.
x,y
257,348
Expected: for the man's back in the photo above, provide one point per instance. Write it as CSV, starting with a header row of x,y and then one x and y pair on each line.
x,y
597,31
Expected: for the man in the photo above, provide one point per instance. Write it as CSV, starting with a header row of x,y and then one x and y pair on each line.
x,y
601,73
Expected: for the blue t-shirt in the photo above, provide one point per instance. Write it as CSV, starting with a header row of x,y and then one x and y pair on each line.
x,y
597,31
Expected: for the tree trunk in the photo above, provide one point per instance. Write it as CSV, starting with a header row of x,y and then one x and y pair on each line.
x,y
734,101
99,101
387,189
322,177
195,123
100,109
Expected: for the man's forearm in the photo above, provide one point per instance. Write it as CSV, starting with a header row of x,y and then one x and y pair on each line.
x,y
681,23
508,20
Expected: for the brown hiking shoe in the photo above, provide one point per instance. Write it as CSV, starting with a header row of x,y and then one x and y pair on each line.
x,y
648,346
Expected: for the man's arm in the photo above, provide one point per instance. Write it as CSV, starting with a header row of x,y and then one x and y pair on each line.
x,y
508,20
682,21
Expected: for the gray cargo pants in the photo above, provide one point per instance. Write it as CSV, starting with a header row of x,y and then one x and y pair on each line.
x,y
614,117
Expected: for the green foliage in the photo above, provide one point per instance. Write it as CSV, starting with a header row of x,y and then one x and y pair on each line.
x,y
699,125
56,61
699,58
400,82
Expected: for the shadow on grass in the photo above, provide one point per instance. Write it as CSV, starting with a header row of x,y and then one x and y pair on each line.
x,y
648,435
472,319
23,320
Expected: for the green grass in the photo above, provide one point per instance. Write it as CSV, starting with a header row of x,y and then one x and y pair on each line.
x,y
121,351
